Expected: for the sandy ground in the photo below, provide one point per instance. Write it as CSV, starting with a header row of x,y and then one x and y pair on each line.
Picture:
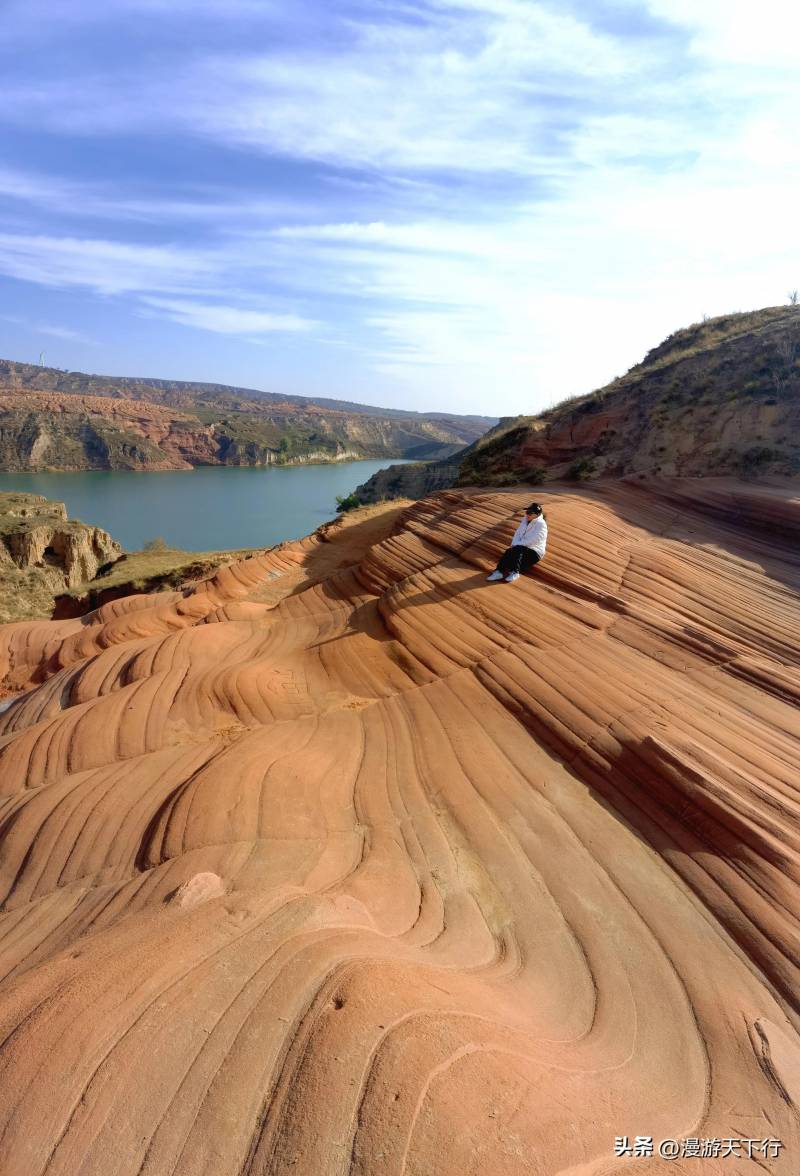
x,y
346,861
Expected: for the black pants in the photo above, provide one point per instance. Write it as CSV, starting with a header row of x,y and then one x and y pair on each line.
x,y
517,559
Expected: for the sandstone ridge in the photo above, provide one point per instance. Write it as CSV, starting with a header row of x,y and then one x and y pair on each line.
x,y
348,862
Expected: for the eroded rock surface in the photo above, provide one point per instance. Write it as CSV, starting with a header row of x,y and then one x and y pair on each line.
x,y
350,862
42,553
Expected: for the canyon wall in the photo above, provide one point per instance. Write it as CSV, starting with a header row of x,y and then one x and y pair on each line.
x,y
43,429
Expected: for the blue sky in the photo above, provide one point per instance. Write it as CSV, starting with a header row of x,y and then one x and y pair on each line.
x,y
466,205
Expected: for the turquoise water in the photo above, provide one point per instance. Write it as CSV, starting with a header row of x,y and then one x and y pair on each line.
x,y
207,509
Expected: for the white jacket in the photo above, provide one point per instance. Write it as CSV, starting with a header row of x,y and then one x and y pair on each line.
x,y
531,534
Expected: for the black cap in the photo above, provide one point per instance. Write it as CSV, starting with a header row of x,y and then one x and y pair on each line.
x,y
534,508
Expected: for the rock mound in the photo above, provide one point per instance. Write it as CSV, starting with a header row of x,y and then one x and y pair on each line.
x,y
42,553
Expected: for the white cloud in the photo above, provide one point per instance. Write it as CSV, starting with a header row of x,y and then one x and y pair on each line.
x,y
63,333
456,94
455,91
443,237
109,267
565,294
57,332
228,320
114,201
736,31
149,273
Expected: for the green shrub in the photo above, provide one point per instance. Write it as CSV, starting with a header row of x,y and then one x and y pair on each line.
x,y
350,502
581,469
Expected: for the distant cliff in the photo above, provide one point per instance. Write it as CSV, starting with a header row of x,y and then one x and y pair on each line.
x,y
186,393
51,420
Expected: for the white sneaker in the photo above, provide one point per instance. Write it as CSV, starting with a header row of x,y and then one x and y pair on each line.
x,y
511,577
495,576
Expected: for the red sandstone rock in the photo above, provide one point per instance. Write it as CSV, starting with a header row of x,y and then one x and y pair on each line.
x,y
473,878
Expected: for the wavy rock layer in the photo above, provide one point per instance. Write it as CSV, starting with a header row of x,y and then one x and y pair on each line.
x,y
380,869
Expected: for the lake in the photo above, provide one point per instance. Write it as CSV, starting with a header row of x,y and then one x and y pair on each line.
x,y
207,509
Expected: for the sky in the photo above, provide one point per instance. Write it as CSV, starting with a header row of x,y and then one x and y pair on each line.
x,y
474,206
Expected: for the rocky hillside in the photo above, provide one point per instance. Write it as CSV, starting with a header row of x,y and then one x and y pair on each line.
x,y
43,554
70,421
348,863
720,397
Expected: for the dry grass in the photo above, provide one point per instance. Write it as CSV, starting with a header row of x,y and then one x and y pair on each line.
x,y
166,567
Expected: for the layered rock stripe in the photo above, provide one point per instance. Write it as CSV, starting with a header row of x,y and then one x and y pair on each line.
x,y
346,861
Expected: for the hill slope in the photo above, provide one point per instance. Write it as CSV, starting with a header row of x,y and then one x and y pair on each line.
x,y
348,862
60,420
720,397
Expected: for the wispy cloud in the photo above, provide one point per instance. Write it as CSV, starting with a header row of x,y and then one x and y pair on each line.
x,y
106,200
64,333
458,92
731,31
455,88
54,331
114,268
228,320
109,267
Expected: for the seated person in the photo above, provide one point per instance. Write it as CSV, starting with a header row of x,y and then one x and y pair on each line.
x,y
527,547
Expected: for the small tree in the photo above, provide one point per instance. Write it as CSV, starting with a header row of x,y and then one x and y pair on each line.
x,y
793,294
581,469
